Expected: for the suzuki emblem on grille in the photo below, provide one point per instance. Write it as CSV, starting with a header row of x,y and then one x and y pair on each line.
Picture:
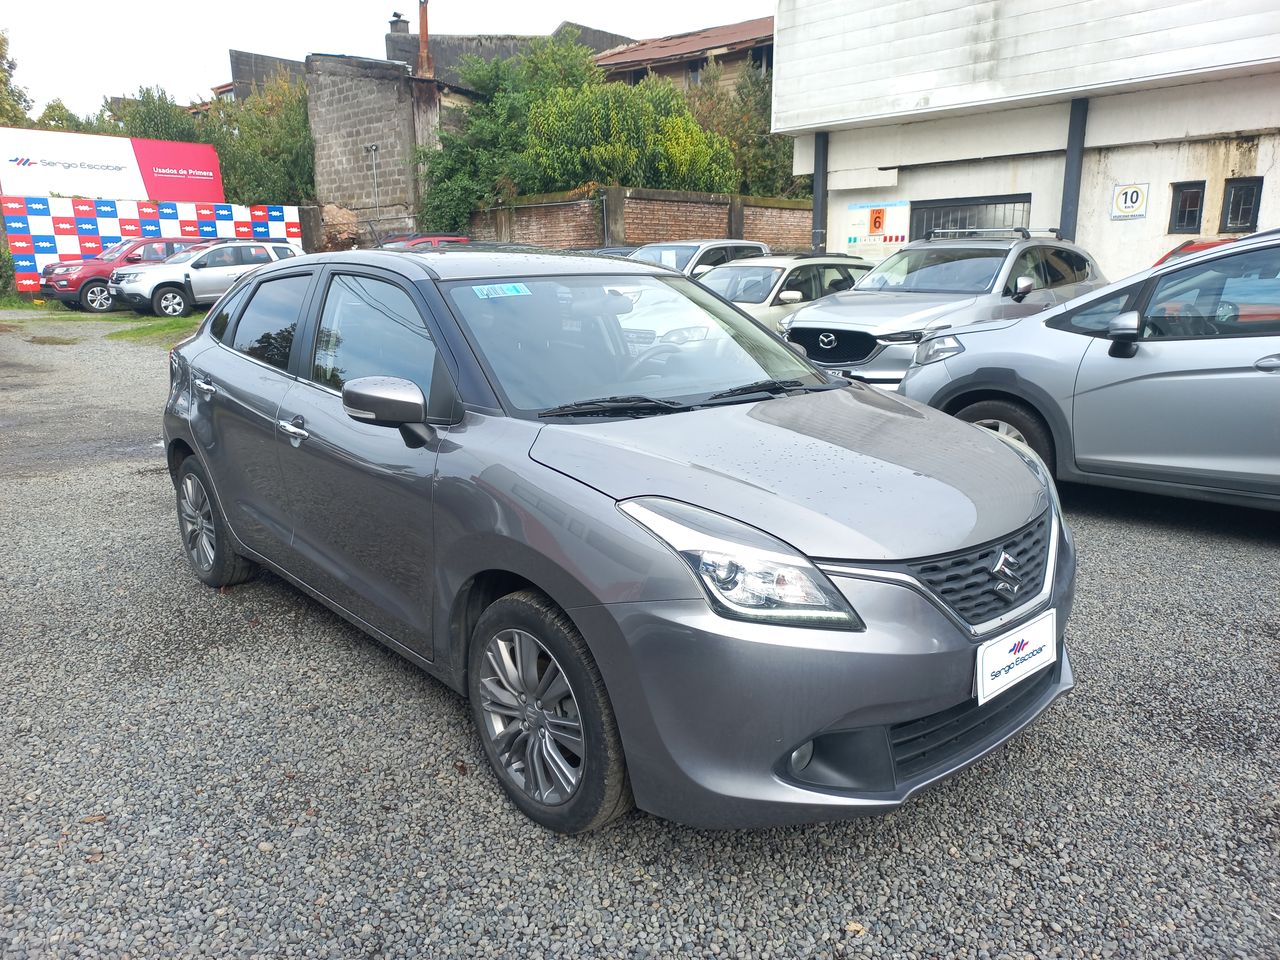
x,y
826,340
1005,570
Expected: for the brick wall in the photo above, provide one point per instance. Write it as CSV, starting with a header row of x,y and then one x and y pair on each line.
x,y
651,220
782,228
352,102
644,216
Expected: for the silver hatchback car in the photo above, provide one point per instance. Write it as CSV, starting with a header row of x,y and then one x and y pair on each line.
x,y
703,576
1167,382
870,332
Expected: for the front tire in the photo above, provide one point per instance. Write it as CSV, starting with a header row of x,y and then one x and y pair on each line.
x,y
171,302
544,716
1013,420
95,298
206,540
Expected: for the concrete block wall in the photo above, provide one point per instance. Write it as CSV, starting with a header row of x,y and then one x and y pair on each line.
x,y
353,102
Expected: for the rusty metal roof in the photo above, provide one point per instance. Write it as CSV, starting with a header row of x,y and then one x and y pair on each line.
x,y
686,46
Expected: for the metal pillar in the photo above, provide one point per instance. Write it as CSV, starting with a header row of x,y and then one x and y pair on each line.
x,y
1073,168
820,192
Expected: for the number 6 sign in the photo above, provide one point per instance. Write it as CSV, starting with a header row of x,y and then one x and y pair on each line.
x,y
876,221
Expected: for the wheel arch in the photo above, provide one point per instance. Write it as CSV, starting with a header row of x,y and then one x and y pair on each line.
x,y
1006,385
177,451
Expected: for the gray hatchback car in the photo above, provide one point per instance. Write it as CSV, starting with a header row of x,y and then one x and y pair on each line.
x,y
870,332
1167,382
696,573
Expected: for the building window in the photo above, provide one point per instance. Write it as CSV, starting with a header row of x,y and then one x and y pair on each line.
x,y
970,213
762,58
1240,205
1188,206
695,72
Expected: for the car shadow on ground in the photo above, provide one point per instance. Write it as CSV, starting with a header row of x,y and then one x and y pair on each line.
x,y
1170,513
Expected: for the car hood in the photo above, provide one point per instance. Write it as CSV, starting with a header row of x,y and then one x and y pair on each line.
x,y
880,313
851,474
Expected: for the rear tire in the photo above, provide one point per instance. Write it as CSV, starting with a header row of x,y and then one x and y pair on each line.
x,y
206,540
95,298
544,716
1015,420
171,302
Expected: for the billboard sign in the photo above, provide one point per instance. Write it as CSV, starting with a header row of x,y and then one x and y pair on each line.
x,y
47,230
48,162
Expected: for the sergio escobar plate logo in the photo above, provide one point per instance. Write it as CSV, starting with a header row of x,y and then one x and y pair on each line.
x,y
1018,661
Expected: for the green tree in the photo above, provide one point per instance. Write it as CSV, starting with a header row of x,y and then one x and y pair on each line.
x,y
154,115
614,133
486,159
14,102
57,116
742,113
264,144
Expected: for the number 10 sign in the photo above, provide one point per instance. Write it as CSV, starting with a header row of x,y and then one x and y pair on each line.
x,y
1129,201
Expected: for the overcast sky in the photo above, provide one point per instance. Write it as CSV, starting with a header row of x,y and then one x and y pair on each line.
x,y
83,50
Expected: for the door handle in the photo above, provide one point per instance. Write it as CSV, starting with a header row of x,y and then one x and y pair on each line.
x,y
1269,364
293,431
207,387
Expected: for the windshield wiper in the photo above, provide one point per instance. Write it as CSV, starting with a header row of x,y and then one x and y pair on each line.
x,y
771,386
634,405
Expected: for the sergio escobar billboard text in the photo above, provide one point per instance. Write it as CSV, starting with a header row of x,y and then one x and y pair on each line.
x,y
49,163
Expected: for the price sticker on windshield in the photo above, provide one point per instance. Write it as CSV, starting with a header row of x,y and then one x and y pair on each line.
x,y
1129,201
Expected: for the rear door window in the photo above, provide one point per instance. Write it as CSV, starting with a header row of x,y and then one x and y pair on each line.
x,y
266,327
284,253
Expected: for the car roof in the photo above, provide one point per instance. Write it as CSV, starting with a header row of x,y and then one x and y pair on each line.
x,y
993,243
785,260
461,263
702,243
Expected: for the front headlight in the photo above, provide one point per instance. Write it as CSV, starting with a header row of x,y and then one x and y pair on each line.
x,y
745,573
939,348
906,336
126,277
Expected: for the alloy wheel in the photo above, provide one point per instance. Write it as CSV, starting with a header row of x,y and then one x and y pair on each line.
x,y
531,717
97,298
1001,427
195,517
171,304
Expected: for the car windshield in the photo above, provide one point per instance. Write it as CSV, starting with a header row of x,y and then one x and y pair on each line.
x,y
550,341
113,252
674,255
742,284
937,270
183,256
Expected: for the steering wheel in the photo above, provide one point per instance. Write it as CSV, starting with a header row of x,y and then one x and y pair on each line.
x,y
650,353
1227,312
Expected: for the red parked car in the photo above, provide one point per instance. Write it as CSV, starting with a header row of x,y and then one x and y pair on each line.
x,y
428,241
83,283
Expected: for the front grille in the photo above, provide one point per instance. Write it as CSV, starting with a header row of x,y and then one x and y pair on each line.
x,y
833,346
967,581
921,745
639,338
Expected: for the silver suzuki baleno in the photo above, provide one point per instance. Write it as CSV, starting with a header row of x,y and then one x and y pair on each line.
x,y
694,575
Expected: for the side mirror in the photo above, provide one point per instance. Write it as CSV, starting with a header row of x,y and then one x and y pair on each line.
x,y
799,348
1021,287
198,265
384,401
133,258
791,296
700,269
1123,332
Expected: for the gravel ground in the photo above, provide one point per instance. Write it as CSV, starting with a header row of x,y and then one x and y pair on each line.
x,y
185,772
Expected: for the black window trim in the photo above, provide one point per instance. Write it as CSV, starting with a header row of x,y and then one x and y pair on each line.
x,y
1175,189
307,336
1227,186
1133,296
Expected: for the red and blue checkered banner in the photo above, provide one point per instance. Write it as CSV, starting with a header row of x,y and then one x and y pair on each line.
x,y
44,230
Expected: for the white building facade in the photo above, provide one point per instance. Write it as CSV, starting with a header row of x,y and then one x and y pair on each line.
x,y
1132,125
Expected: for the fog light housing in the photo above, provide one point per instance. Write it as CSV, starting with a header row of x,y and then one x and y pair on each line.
x,y
801,756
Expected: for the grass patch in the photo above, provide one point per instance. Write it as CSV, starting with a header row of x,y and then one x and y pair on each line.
x,y
14,301
161,333
53,341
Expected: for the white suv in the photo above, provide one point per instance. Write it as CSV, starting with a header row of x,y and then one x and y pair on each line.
x,y
197,275
695,257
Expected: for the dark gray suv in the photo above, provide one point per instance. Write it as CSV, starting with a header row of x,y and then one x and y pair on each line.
x,y
696,573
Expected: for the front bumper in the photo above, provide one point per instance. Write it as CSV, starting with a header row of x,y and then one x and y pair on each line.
x,y
70,293
710,709
131,293
883,367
